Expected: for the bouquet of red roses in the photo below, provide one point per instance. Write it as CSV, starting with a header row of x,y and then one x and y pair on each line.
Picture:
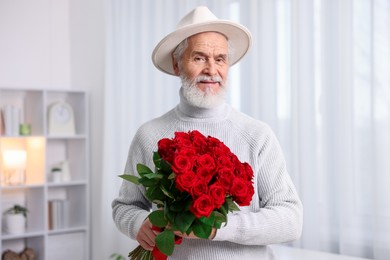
x,y
196,182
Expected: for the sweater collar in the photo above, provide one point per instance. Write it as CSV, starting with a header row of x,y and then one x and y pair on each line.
x,y
190,110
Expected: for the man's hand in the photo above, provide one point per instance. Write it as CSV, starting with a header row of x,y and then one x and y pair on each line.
x,y
146,235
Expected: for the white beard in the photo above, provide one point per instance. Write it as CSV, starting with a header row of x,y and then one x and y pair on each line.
x,y
199,98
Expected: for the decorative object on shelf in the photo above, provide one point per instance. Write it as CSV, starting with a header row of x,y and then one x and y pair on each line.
x,y
14,166
27,254
65,171
11,120
15,219
24,129
56,174
60,172
61,119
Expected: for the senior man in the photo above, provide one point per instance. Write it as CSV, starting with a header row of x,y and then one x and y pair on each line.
x,y
200,52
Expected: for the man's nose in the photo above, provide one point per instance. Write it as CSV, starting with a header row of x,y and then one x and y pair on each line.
x,y
210,68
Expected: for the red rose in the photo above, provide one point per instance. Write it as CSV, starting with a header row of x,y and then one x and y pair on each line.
x,y
166,149
182,139
225,178
248,171
242,191
206,161
199,141
181,163
181,135
218,194
213,142
185,181
187,151
202,206
219,148
195,134
224,161
199,188
205,174
239,171
222,150
235,160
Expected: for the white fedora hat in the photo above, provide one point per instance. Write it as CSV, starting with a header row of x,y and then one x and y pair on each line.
x,y
201,19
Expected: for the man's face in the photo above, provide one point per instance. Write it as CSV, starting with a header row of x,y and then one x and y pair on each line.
x,y
206,55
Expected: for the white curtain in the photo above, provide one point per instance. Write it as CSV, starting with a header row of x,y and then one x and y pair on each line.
x,y
318,73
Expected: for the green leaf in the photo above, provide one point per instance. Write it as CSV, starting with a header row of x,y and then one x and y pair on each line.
x,y
187,203
158,219
154,193
224,209
153,176
202,230
165,242
166,192
169,213
157,160
172,176
189,230
177,206
148,182
166,167
130,178
208,221
219,219
232,206
180,204
143,169
184,220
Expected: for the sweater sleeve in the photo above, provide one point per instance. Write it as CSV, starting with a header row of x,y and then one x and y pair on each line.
x,y
131,207
275,215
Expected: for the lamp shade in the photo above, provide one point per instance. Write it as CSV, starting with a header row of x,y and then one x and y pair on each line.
x,y
14,159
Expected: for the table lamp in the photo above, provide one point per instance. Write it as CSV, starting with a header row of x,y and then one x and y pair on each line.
x,y
14,162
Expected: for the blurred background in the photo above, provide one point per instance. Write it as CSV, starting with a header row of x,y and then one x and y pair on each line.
x,y
318,73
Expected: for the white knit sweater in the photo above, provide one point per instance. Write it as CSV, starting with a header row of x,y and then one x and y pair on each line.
x,y
275,213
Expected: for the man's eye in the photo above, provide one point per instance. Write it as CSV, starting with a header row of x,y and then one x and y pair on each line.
x,y
199,59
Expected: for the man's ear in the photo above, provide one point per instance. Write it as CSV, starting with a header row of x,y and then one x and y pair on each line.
x,y
175,66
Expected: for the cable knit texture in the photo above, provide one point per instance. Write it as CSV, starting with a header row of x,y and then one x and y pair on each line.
x,y
275,213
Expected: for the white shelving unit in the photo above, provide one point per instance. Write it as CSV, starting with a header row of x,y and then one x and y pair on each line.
x,y
70,238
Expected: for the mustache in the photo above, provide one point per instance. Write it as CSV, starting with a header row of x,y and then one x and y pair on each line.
x,y
217,79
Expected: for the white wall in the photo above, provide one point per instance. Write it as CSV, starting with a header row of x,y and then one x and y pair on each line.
x,y
57,44
34,44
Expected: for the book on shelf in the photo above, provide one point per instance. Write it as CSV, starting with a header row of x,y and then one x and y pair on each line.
x,y
58,214
10,120
1,123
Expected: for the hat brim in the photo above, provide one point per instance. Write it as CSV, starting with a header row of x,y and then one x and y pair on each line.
x,y
238,35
